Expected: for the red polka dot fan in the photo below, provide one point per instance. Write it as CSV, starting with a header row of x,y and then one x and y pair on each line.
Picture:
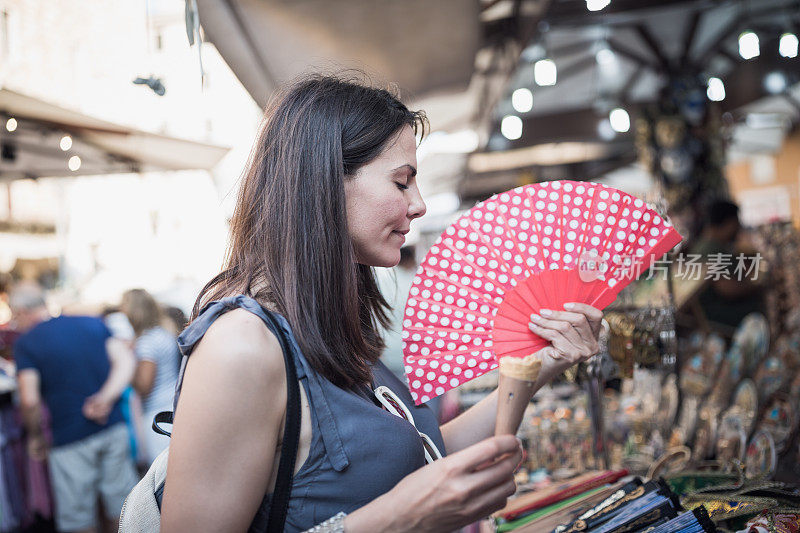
x,y
534,247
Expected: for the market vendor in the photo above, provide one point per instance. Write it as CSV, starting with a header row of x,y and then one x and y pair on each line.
x,y
330,192
728,296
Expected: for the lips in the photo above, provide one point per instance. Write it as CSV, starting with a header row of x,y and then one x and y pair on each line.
x,y
400,233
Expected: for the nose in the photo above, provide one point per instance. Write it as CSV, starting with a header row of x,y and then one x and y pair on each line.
x,y
416,205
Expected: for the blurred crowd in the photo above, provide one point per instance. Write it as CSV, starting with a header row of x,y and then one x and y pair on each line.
x,y
80,387
78,394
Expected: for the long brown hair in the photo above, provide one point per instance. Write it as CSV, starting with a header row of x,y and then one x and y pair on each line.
x,y
289,246
141,309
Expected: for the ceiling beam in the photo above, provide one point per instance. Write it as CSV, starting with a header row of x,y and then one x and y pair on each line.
x,y
576,67
722,36
529,25
574,125
655,48
571,48
630,83
730,56
689,35
631,55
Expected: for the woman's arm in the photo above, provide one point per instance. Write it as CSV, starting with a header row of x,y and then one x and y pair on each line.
x,y
227,427
144,377
477,422
573,335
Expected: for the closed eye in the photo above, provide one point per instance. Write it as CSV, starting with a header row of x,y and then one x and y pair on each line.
x,y
401,186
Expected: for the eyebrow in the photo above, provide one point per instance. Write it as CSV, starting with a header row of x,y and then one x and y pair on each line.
x,y
411,168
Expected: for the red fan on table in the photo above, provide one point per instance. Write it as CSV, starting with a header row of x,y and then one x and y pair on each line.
x,y
534,247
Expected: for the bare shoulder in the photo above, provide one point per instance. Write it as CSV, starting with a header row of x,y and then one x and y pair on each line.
x,y
227,427
239,343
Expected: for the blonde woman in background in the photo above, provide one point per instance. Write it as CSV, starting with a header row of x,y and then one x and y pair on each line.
x,y
157,368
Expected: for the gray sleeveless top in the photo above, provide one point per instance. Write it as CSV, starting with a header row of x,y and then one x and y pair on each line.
x,y
358,450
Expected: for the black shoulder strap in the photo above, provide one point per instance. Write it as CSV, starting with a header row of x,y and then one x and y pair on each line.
x,y
291,437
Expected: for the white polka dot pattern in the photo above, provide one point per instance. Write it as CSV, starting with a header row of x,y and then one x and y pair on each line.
x,y
534,247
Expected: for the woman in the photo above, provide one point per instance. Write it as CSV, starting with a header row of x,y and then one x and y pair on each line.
x,y
157,367
329,193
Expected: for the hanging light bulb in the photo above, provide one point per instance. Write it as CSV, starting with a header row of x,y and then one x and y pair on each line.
x,y
620,120
522,100
11,124
787,46
74,163
511,127
748,45
775,82
596,5
715,90
545,72
605,56
605,130
65,143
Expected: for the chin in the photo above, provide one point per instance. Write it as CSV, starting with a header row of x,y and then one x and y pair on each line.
x,y
384,258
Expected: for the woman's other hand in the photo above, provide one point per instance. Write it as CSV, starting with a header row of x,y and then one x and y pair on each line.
x,y
450,493
573,334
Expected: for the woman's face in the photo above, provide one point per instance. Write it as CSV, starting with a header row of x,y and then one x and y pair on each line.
x,y
382,200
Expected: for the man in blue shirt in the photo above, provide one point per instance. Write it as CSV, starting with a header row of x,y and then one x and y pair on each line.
x,y
78,370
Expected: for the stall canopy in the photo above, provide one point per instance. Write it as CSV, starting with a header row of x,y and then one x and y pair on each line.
x,y
32,132
421,46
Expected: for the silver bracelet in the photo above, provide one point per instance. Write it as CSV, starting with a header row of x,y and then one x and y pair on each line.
x,y
334,524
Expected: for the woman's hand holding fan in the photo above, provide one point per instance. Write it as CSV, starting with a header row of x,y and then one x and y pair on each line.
x,y
520,252
573,337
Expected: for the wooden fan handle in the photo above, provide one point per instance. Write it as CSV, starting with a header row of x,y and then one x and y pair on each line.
x,y
514,391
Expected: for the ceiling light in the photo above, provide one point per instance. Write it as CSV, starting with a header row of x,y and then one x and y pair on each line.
x,y
715,90
788,45
605,131
775,82
596,5
11,124
522,100
511,127
605,56
620,120
748,45
74,163
545,72
65,143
